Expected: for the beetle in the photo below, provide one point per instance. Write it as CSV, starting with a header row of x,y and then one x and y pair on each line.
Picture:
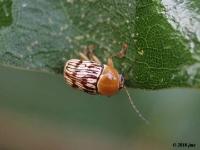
x,y
92,77
96,78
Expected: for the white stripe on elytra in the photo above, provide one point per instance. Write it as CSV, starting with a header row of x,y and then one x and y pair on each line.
x,y
91,80
90,85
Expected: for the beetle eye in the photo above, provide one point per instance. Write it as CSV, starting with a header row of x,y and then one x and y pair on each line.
x,y
121,84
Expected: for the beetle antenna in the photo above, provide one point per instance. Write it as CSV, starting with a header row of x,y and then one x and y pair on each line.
x,y
134,106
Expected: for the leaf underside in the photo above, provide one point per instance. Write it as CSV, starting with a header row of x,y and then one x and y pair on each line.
x,y
163,37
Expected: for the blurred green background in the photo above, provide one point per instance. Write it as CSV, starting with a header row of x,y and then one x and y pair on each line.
x,y
38,111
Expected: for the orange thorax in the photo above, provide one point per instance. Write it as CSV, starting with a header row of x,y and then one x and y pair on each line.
x,y
108,83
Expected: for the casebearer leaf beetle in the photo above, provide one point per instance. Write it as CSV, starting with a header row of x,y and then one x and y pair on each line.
x,y
96,78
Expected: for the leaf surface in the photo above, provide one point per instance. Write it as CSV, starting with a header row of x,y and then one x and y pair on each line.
x,y
163,37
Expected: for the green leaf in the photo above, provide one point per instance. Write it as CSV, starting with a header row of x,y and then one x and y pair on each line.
x,y
163,37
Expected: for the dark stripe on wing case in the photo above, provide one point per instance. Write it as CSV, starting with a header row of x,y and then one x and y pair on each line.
x,y
83,80
99,77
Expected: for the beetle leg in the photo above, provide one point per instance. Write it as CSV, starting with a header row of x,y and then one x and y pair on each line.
x,y
110,62
83,56
122,52
89,55
96,59
119,54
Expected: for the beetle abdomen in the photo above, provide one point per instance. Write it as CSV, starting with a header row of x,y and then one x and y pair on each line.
x,y
83,74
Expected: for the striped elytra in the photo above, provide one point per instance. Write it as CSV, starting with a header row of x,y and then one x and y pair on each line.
x,y
92,77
